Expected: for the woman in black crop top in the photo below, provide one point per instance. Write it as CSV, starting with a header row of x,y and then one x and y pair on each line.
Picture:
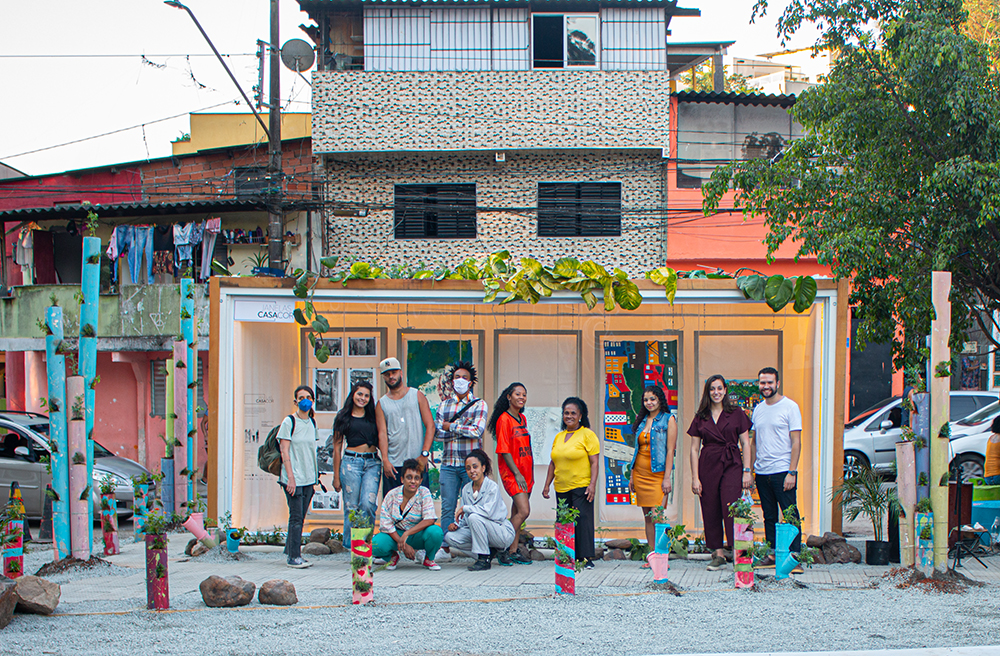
x,y
358,470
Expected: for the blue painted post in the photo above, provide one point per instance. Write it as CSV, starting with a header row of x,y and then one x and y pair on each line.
x,y
785,560
187,328
55,365
89,319
922,454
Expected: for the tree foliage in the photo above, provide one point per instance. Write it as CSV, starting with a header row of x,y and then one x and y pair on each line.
x,y
899,172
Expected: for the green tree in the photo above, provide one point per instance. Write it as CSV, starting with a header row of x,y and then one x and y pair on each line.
x,y
899,172
702,78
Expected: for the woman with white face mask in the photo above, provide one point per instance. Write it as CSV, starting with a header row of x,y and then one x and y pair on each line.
x,y
299,469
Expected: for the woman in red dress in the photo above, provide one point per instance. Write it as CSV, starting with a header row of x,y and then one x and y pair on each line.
x,y
510,428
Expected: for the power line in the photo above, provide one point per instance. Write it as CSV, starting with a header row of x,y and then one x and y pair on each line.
x,y
124,56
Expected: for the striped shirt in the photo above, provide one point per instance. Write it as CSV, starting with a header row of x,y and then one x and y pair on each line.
x,y
396,518
466,432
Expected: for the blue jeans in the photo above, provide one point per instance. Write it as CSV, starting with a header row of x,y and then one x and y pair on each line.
x,y
359,479
452,479
993,480
298,506
142,244
771,488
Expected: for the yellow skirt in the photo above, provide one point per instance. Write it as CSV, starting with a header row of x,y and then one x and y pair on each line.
x,y
648,486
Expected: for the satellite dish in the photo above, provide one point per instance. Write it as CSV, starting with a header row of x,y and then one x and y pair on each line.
x,y
297,55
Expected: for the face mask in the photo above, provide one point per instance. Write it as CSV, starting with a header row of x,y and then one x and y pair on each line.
x,y
305,405
461,385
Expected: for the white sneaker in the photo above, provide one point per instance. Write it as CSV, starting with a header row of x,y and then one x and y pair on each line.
x,y
419,556
442,556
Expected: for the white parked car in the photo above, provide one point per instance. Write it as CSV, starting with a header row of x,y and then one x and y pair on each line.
x,y
870,438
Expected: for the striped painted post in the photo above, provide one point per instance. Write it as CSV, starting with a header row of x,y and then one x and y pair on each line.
x,y
181,422
167,461
79,484
55,365
187,328
89,319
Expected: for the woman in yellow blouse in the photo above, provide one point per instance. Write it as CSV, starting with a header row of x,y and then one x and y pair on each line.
x,y
574,467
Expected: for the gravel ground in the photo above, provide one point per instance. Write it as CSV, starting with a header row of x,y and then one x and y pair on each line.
x,y
413,620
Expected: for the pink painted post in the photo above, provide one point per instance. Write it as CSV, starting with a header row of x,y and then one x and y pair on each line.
x,y
742,561
79,484
906,484
109,524
180,425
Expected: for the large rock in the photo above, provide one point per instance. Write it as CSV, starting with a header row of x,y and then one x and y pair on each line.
x,y
319,535
815,541
335,546
855,554
618,543
8,599
819,558
535,554
524,551
615,554
277,593
37,595
316,549
199,549
190,546
598,553
838,551
226,592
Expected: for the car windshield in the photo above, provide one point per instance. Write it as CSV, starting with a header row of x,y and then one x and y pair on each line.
x,y
867,414
42,430
982,415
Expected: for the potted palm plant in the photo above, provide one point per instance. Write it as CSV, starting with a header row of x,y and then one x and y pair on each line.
x,y
109,515
361,558
565,558
157,588
741,511
864,493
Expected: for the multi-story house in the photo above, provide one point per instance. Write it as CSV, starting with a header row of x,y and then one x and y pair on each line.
x,y
448,129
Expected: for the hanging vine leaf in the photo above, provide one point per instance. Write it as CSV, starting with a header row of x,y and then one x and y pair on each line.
x,y
805,293
666,278
299,317
778,292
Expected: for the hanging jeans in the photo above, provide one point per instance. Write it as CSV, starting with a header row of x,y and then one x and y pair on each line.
x,y
123,236
142,245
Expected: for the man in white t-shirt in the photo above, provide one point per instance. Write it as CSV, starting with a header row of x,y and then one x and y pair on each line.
x,y
777,425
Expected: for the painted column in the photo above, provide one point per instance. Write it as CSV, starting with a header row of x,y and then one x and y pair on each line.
x,y
89,318
187,328
79,484
565,559
180,423
906,484
921,446
940,386
742,561
167,461
55,364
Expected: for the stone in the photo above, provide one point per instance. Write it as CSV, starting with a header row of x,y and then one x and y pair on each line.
x,y
598,553
815,541
618,543
535,554
819,558
855,554
837,551
190,546
277,593
316,549
321,535
616,554
36,595
833,537
226,592
199,550
335,546
8,600
526,537
524,551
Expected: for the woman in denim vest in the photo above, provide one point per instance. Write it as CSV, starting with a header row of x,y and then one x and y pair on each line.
x,y
650,477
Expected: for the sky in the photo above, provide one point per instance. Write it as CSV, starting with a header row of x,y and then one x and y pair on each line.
x,y
73,70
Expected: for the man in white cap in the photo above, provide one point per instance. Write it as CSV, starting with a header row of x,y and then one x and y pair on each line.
x,y
404,417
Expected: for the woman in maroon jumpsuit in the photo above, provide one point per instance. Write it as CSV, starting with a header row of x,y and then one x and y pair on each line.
x,y
719,430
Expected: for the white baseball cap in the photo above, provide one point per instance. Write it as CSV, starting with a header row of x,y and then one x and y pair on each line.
x,y
389,364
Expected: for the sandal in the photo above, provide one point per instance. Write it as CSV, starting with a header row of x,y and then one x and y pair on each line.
x,y
645,565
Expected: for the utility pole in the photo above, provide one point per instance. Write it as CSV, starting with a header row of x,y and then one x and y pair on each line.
x,y
275,223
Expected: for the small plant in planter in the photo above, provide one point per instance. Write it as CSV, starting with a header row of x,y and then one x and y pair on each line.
x,y
361,557
157,589
109,515
565,558
807,556
741,511
791,516
924,506
926,533
661,527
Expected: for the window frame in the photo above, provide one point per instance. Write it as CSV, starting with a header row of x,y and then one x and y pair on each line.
x,y
401,230
157,402
614,215
565,66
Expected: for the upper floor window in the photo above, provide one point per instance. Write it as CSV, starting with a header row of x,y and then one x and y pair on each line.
x,y
565,40
250,182
442,211
579,209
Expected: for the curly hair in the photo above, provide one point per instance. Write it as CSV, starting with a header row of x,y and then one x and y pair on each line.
x,y
502,405
468,366
643,412
582,407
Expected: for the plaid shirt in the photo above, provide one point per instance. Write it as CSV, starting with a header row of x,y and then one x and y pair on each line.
x,y
466,433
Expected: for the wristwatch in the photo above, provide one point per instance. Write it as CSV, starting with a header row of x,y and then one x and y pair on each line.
x,y
425,454
746,470
794,472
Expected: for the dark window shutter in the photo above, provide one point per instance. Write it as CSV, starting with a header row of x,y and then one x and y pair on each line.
x,y
442,211
579,209
158,388
250,182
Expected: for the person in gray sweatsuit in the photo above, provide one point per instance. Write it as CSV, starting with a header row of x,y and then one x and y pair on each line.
x,y
481,525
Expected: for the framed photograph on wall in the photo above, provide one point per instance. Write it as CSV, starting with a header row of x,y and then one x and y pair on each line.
x,y
332,343
354,376
326,384
329,500
362,346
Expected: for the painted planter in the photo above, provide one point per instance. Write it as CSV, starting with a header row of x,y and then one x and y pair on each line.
x,y
195,525
109,524
742,561
660,564
141,493
157,588
13,554
906,486
925,547
662,539
361,566
784,560
565,559
233,541
167,484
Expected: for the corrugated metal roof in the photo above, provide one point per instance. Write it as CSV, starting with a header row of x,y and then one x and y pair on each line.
x,y
79,210
677,11
769,99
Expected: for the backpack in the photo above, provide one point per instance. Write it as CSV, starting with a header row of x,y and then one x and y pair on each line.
x,y
269,453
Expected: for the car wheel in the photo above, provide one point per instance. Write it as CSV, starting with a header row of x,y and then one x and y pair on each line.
x,y
854,461
969,466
